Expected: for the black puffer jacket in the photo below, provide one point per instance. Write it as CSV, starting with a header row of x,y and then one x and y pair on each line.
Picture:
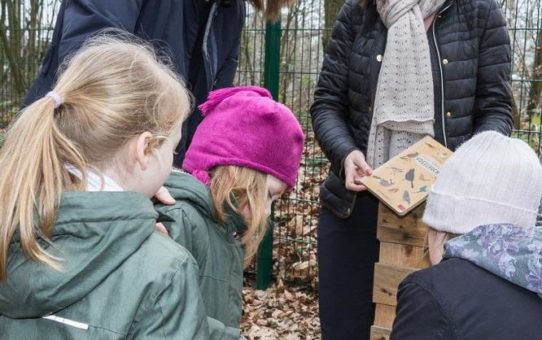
x,y
457,300
470,51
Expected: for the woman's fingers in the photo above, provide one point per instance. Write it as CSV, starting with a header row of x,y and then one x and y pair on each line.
x,y
355,168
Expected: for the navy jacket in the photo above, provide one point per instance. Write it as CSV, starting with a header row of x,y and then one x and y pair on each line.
x,y
456,300
171,25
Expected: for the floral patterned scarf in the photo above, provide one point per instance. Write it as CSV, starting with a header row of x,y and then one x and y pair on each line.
x,y
511,252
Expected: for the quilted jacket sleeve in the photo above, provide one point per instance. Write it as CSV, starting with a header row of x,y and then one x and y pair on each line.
x,y
330,107
84,18
493,106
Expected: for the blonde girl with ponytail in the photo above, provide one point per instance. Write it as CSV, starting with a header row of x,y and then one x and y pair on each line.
x,y
244,155
79,258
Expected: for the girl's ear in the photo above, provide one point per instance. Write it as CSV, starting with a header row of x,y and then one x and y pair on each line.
x,y
142,149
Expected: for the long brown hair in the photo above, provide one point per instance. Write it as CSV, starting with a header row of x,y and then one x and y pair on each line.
x,y
270,8
236,188
111,90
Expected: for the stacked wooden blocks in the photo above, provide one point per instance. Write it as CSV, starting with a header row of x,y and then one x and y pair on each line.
x,y
402,241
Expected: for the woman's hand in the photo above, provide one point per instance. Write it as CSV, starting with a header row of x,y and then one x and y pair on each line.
x,y
355,167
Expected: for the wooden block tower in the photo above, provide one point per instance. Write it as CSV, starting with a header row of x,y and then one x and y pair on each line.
x,y
402,242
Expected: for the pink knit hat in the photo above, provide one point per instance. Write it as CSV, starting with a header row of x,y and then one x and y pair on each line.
x,y
244,126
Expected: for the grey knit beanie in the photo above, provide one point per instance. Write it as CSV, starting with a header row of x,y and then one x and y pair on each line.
x,y
490,179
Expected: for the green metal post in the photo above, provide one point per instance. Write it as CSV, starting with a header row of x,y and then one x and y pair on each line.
x,y
271,82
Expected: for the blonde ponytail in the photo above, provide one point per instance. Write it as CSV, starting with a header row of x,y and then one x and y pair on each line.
x,y
111,91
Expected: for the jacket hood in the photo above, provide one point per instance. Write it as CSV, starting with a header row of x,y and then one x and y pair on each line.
x,y
185,187
94,234
510,252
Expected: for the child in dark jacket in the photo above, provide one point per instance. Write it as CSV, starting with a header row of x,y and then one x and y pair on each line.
x,y
79,257
244,155
488,286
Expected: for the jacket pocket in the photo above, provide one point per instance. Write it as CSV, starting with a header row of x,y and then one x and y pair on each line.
x,y
335,197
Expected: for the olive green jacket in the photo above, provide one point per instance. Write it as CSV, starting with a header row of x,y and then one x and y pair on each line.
x,y
118,280
214,246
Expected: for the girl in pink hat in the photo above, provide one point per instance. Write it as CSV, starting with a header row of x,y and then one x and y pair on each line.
x,y
244,155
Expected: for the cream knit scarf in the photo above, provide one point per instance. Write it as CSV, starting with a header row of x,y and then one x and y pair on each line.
x,y
404,103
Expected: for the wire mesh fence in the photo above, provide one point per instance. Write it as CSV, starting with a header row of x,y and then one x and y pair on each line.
x,y
304,32
524,19
26,29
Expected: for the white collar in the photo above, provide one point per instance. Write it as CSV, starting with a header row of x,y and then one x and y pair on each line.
x,y
96,181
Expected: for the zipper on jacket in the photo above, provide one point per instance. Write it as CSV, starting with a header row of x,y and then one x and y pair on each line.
x,y
442,102
207,62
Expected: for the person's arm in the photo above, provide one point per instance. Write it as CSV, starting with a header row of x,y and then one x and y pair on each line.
x,y
174,309
187,231
330,106
84,18
419,315
493,106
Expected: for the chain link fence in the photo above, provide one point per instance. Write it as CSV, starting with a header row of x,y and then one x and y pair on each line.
x,y
26,28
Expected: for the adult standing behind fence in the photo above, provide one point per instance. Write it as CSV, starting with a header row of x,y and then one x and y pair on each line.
x,y
395,71
201,37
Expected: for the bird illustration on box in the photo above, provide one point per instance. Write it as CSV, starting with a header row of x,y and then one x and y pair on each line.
x,y
409,176
395,171
442,155
406,197
410,156
423,178
385,182
422,189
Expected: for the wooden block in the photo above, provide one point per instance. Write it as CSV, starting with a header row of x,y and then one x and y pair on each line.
x,y
386,282
384,315
380,333
408,230
403,255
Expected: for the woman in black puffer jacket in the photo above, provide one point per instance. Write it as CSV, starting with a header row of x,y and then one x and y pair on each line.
x,y
395,71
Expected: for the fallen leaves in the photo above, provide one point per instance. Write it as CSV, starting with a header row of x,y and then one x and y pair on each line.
x,y
289,308
280,313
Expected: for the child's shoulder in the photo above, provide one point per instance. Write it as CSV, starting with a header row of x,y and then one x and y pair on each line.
x,y
160,255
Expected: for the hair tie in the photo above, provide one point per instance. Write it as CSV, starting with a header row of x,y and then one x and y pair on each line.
x,y
56,98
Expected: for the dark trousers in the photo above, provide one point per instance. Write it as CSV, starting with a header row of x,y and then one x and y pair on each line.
x,y
347,252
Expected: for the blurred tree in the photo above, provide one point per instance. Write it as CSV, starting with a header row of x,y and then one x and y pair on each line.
x,y
331,9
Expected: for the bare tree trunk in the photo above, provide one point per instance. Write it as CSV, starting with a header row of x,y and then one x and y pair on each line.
x,y
516,115
22,42
288,48
535,93
331,9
